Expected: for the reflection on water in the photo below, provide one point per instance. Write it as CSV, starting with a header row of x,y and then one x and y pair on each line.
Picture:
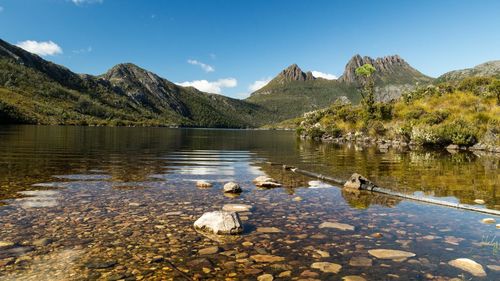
x,y
119,203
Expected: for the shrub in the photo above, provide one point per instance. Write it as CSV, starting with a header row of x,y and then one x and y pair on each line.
x,y
460,132
315,132
414,113
376,128
333,131
436,117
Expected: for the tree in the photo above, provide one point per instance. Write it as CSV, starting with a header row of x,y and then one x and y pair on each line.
x,y
368,90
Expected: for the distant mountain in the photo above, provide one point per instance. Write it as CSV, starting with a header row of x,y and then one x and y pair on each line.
x,y
393,75
293,92
487,69
33,90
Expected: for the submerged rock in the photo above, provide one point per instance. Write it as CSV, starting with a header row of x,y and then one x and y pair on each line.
x,y
353,278
488,220
265,277
357,181
391,254
209,250
468,265
236,207
265,181
219,222
232,187
6,244
268,230
341,226
203,184
327,267
266,258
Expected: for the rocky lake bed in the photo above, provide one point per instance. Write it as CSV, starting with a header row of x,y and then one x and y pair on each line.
x,y
104,220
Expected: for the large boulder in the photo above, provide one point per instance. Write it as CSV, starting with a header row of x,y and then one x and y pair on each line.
x,y
232,187
358,182
219,222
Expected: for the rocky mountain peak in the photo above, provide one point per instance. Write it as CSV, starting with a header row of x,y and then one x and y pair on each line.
x,y
383,65
294,73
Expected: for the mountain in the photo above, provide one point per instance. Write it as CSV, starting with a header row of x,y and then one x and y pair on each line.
x,y
487,69
293,92
33,90
392,77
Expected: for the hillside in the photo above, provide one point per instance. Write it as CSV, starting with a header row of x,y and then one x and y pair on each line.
x,y
467,114
33,90
487,69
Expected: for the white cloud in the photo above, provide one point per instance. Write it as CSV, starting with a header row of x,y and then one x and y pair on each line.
x,y
81,2
47,48
211,86
206,67
258,84
328,76
83,50
1,9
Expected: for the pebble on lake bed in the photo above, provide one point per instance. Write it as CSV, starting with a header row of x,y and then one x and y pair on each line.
x,y
479,201
232,187
236,207
341,226
327,267
390,254
488,220
219,222
203,184
468,265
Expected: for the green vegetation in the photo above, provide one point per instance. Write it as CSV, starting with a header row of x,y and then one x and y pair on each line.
x,y
462,113
368,91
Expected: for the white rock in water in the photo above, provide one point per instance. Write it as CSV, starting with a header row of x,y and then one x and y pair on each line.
x,y
236,207
488,220
327,267
203,184
390,254
265,181
219,222
337,225
232,187
479,201
468,265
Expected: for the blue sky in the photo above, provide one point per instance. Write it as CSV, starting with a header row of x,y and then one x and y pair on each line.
x,y
230,46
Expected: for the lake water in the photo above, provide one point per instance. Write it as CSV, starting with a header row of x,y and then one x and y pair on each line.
x,y
83,203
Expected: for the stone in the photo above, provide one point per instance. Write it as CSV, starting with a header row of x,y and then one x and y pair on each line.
x,y
297,199
323,254
209,250
353,278
219,222
327,267
203,184
341,226
479,201
468,265
236,207
452,147
391,254
377,235
268,229
265,277
6,244
266,258
100,264
232,187
498,226
357,182
360,261
488,220
42,242
268,184
493,267
285,274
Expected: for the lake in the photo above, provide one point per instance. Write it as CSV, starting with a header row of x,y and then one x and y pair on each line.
x,y
95,203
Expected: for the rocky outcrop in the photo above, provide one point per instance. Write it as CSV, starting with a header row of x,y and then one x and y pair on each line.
x,y
487,69
294,73
359,182
383,65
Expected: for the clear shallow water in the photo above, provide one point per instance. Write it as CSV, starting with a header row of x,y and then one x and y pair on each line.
x,y
106,203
